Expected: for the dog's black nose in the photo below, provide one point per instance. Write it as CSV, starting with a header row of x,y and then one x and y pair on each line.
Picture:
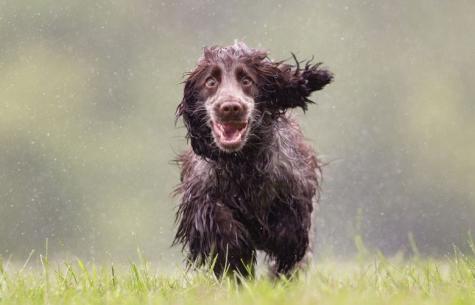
x,y
230,110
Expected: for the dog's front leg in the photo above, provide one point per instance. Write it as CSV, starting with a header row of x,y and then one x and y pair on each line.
x,y
213,236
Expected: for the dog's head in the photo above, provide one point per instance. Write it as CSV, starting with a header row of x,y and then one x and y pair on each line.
x,y
233,87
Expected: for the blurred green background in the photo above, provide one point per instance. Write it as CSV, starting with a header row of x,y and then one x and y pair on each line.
x,y
88,91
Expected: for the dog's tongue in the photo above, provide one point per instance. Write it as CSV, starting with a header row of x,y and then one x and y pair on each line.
x,y
231,131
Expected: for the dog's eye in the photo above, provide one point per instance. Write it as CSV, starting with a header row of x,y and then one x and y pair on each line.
x,y
246,81
211,82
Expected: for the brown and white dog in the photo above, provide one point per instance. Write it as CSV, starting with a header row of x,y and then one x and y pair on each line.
x,y
249,181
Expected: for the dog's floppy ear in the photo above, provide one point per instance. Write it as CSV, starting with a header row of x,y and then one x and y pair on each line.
x,y
198,132
288,86
188,102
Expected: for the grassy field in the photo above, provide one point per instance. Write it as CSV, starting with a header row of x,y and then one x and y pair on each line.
x,y
369,281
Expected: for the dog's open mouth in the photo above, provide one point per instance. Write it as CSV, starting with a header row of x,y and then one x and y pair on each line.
x,y
230,135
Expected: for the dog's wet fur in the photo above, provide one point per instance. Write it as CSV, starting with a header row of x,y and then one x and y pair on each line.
x,y
249,181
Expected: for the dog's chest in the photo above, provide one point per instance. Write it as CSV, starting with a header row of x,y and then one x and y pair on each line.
x,y
246,190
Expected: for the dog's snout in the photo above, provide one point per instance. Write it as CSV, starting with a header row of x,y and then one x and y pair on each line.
x,y
231,110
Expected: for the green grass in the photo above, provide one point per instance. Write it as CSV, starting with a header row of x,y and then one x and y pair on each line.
x,y
369,281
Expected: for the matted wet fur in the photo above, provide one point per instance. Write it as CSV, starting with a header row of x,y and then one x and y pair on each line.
x,y
249,181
